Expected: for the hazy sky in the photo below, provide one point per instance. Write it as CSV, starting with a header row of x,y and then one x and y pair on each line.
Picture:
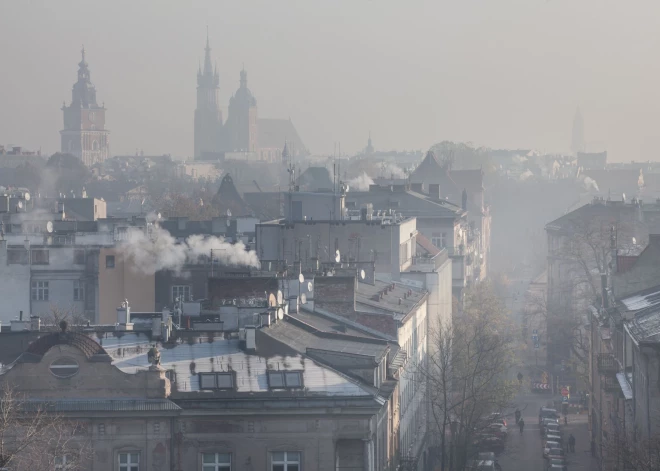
x,y
500,73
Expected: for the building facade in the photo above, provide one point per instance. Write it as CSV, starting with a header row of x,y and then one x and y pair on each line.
x,y
84,134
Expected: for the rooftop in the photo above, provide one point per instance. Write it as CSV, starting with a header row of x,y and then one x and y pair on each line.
x,y
218,355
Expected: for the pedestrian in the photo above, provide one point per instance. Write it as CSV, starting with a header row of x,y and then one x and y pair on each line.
x,y
521,424
565,419
571,443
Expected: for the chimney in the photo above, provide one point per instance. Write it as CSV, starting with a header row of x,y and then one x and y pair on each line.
x,y
35,323
250,338
434,190
124,317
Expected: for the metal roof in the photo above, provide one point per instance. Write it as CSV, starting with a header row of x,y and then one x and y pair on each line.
x,y
217,355
625,385
642,300
645,327
99,405
300,340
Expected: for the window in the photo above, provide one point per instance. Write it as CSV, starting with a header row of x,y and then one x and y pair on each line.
x,y
109,261
63,462
285,461
216,461
285,379
129,461
182,292
40,257
79,257
64,367
78,290
17,257
216,380
39,291
439,239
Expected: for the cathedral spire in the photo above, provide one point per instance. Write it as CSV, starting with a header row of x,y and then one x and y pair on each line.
x,y
243,78
208,68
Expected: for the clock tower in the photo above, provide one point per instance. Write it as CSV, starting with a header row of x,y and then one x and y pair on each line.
x,y
84,134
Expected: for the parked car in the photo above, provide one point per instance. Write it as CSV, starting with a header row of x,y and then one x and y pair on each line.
x,y
553,429
557,464
481,465
496,418
549,446
555,453
552,438
546,422
548,413
489,443
498,430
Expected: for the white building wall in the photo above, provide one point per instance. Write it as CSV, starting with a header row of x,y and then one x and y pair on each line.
x,y
14,288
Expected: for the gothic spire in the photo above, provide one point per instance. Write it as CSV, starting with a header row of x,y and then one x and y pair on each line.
x,y
208,68
243,78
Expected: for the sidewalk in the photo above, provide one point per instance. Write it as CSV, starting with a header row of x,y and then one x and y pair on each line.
x,y
581,460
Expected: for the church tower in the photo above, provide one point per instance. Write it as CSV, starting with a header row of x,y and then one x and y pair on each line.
x,y
208,117
577,138
241,126
84,134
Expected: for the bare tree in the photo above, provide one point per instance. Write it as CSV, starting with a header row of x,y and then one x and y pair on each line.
x,y
466,375
32,438
625,452
74,319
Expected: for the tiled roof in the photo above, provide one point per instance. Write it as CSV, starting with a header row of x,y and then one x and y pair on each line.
x,y
81,341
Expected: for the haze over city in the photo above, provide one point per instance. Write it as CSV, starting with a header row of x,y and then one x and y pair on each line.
x,y
330,235
507,73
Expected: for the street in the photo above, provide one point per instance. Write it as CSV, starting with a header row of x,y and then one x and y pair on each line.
x,y
523,451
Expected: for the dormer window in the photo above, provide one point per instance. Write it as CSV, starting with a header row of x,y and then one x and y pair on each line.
x,y
64,367
224,380
285,379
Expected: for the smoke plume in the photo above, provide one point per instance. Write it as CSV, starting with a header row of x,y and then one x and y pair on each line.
x,y
361,182
156,249
590,184
392,170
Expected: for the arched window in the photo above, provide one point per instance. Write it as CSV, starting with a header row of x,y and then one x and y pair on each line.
x,y
95,145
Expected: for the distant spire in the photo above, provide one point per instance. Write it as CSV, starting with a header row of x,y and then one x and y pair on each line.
x,y
82,52
208,68
244,82
577,138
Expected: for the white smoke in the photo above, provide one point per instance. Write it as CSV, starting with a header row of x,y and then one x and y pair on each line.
x,y
391,170
361,182
158,250
590,184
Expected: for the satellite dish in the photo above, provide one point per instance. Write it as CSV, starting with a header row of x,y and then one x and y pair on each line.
x,y
303,298
20,205
634,241
309,286
280,313
280,297
49,227
337,253
362,274
229,213
337,258
159,216
27,196
301,278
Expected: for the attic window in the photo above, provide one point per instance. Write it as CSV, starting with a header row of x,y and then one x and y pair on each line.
x,y
216,380
64,367
285,379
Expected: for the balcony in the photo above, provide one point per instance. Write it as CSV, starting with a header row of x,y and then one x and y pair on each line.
x,y
610,384
607,364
